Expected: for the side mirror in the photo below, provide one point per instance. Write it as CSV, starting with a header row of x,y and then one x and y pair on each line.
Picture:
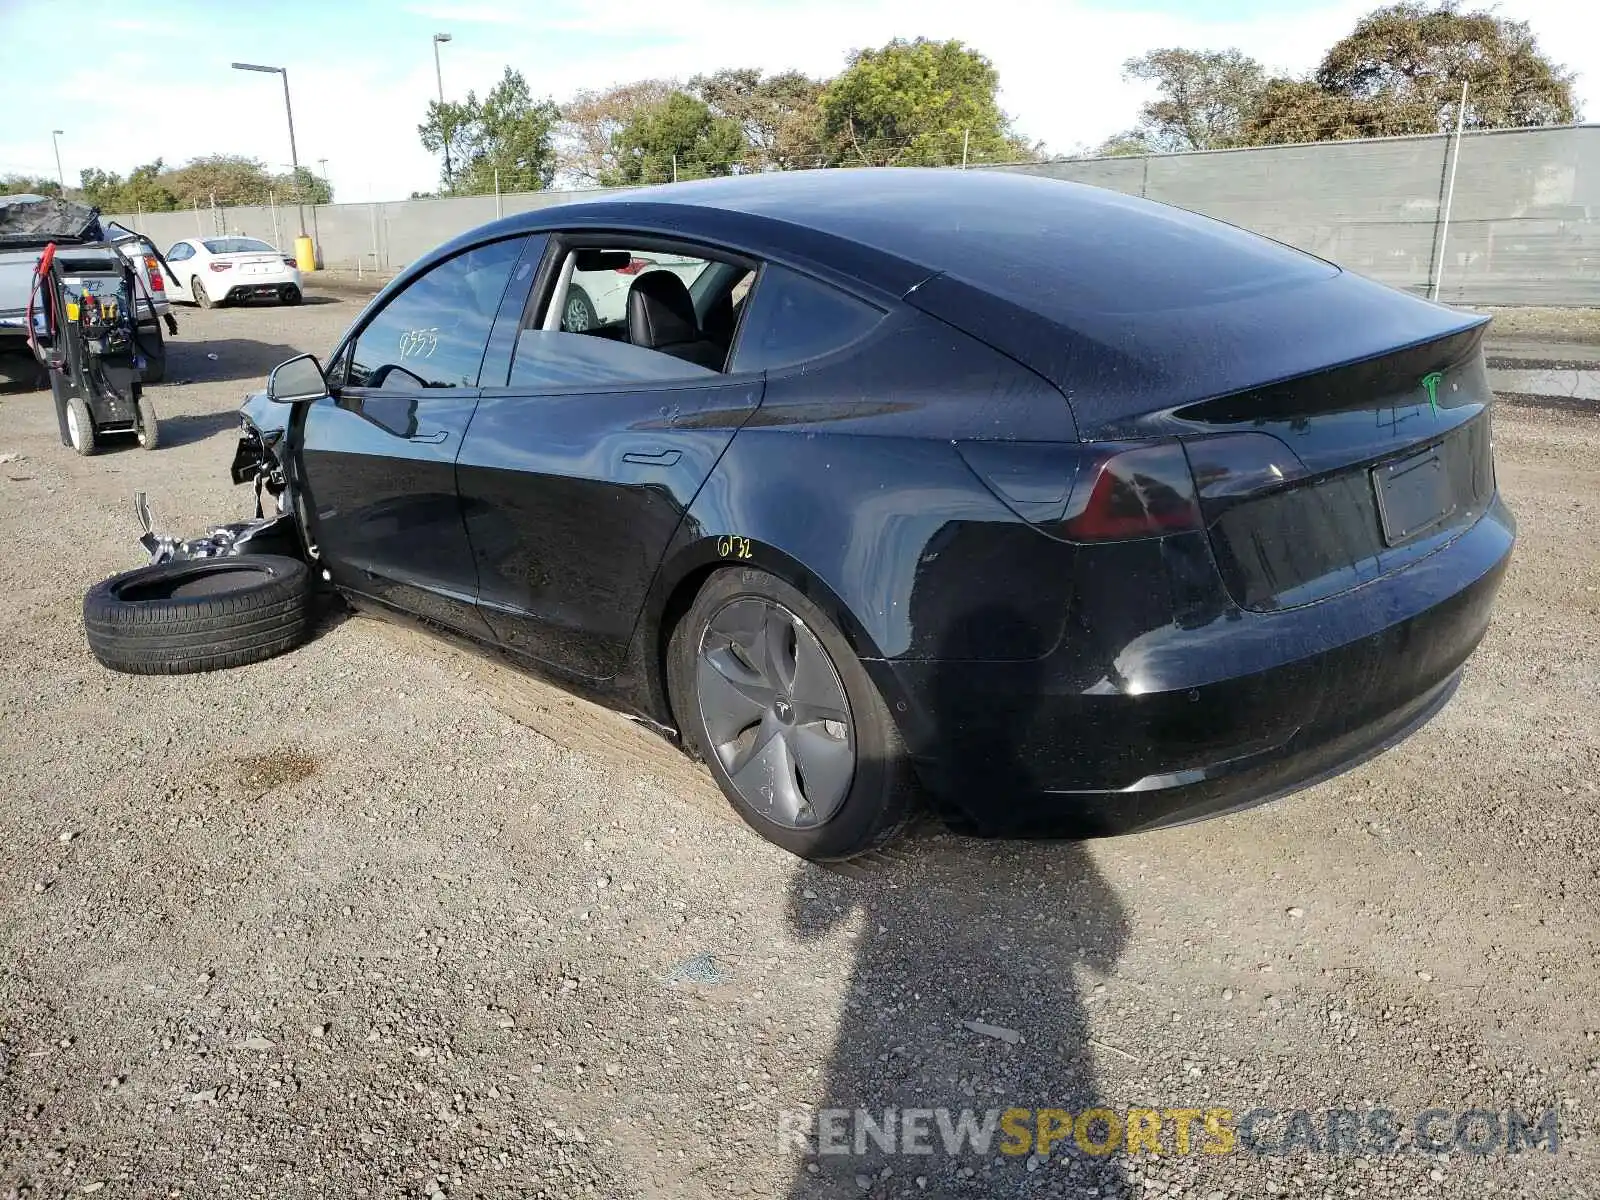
x,y
298,379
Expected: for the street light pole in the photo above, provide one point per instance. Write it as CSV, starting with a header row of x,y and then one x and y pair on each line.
x,y
60,175
294,157
444,130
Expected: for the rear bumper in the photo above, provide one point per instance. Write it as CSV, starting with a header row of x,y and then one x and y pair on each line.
x,y
260,289
1187,722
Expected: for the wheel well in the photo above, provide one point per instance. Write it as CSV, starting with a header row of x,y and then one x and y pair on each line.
x,y
676,607
682,597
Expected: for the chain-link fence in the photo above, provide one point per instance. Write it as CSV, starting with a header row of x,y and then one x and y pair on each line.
x,y
1519,223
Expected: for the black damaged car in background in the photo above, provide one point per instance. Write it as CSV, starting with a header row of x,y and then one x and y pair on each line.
x,y
1076,513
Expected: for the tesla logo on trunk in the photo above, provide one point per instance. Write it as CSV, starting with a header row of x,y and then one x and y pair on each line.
x,y
1430,384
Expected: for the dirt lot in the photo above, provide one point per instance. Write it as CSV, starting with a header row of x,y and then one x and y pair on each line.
x,y
377,919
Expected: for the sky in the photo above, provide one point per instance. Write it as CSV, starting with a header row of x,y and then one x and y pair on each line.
x,y
361,72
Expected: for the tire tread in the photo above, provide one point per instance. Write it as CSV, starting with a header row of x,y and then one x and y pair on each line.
x,y
185,635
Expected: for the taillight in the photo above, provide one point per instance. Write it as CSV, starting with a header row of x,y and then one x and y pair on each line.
x,y
1233,466
289,262
1122,491
1133,493
153,269
635,265
221,266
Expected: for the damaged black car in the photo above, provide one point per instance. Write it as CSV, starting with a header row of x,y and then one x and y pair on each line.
x,y
1073,512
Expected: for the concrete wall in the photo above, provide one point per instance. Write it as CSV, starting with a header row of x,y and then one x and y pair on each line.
x,y
1524,223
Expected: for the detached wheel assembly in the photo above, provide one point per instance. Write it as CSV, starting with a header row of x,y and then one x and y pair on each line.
x,y
178,618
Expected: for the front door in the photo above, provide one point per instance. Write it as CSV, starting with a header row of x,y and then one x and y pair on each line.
x,y
575,474
377,457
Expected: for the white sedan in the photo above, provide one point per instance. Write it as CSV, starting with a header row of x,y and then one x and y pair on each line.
x,y
215,270
600,297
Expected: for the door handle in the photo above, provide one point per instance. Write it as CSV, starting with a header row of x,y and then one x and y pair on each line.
x,y
660,458
431,439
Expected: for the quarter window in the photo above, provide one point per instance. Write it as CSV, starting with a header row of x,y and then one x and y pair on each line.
x,y
433,334
793,318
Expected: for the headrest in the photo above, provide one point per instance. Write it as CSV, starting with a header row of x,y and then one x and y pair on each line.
x,y
660,311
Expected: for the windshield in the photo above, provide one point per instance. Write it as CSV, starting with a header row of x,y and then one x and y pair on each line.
x,y
238,246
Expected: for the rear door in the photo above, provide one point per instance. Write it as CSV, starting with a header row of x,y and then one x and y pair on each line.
x,y
377,457
577,470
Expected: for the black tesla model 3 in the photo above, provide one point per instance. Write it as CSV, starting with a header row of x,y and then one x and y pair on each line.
x,y
1086,513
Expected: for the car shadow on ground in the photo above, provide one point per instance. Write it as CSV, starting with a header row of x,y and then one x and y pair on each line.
x,y
952,930
267,302
214,360
185,429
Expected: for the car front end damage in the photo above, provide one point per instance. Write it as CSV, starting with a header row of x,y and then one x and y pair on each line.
x,y
256,460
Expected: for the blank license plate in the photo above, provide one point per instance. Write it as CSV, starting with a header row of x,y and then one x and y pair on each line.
x,y
1413,495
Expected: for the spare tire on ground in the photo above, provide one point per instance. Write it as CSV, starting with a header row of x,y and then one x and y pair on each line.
x,y
200,614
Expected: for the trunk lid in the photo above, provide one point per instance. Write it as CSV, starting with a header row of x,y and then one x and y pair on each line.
x,y
1364,410
1382,462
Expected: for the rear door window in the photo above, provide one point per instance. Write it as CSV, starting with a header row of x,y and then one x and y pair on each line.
x,y
592,339
793,318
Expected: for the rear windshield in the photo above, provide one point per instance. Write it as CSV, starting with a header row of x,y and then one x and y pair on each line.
x,y
238,246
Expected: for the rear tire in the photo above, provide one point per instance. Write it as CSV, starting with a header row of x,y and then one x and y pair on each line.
x,y
289,294
879,796
201,296
80,427
198,615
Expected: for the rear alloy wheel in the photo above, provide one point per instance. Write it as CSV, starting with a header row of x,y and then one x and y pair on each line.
x,y
201,614
80,427
201,296
767,691
145,424
289,294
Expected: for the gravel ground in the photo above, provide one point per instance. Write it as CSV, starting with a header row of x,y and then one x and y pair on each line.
x,y
380,919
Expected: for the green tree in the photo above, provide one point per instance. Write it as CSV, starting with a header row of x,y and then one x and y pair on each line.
x,y
1203,97
679,138
103,189
1121,145
1412,55
917,103
313,189
1400,71
147,190
778,114
219,178
19,185
1299,110
591,120
507,131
